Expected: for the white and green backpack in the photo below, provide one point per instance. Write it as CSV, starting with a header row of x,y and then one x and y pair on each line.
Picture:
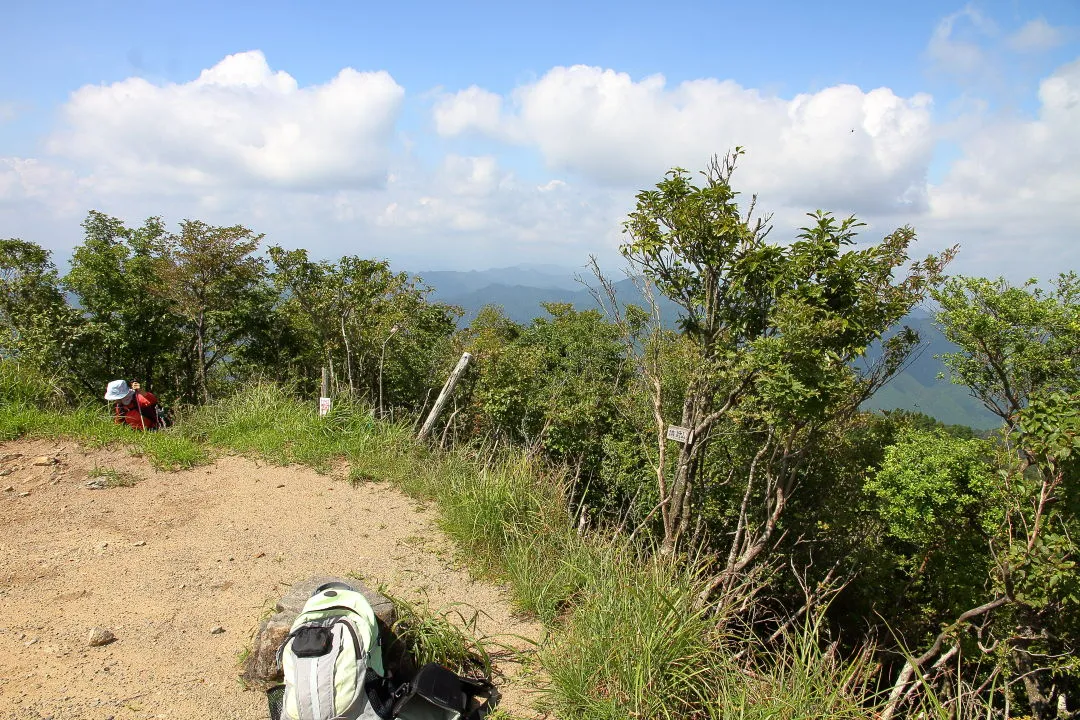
x,y
333,665
331,647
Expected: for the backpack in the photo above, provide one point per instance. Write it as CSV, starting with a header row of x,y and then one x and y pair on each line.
x,y
333,665
330,657
436,693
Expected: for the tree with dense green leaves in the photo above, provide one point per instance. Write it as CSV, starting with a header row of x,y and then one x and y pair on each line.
x,y
1015,341
772,331
552,384
368,325
130,329
37,326
990,526
209,274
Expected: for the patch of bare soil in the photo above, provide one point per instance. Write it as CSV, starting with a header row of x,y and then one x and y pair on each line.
x,y
164,562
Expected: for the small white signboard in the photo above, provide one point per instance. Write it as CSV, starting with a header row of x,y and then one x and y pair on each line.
x,y
677,433
324,406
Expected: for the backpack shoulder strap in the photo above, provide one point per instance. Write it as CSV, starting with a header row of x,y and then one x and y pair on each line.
x,y
381,693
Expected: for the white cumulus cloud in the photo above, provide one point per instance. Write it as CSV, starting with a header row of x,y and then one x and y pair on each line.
x,y
839,145
238,124
1020,175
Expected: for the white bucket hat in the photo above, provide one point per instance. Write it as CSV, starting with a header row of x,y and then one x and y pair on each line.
x,y
118,390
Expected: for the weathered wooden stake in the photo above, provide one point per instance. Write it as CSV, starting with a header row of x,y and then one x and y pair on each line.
x,y
447,391
324,398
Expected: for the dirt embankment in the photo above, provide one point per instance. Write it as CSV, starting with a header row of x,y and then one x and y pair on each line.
x,y
178,554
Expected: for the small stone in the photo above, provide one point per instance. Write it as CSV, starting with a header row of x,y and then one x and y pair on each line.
x,y
5,472
100,636
140,543
44,460
217,630
24,494
259,555
31,642
9,488
95,485
281,485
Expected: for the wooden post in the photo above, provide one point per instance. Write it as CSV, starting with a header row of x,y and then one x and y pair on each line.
x,y
324,398
447,391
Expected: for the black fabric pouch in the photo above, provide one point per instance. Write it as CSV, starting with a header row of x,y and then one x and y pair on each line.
x,y
312,642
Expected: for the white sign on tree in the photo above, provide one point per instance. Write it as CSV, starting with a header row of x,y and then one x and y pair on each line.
x,y
678,433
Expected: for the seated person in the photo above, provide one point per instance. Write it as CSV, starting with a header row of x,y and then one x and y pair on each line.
x,y
138,408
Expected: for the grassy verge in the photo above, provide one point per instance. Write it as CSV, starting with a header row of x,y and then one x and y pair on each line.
x,y
626,639
92,426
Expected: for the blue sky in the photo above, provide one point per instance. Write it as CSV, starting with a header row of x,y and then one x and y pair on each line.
x,y
481,128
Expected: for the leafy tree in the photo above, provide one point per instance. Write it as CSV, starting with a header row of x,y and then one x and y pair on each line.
x,y
131,330
773,331
370,326
209,273
37,327
552,384
1015,341
1017,348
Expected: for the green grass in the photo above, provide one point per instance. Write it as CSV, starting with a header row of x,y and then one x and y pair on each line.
x,y
111,477
266,422
92,426
22,385
437,637
634,645
798,677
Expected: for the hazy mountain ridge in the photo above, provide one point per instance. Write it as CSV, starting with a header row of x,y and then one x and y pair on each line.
x,y
520,290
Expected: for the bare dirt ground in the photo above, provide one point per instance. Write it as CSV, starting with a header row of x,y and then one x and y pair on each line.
x,y
179,554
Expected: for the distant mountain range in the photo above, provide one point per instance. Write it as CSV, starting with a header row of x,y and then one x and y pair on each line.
x,y
521,289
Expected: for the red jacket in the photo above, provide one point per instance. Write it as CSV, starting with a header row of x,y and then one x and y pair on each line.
x,y
141,413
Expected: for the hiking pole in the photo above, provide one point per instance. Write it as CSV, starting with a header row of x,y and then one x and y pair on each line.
x,y
142,418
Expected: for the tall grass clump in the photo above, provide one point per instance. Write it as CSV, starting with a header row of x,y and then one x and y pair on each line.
x,y
798,675
485,506
22,385
635,644
449,636
510,516
265,420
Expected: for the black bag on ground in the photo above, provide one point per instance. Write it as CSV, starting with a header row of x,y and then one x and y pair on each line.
x,y
436,693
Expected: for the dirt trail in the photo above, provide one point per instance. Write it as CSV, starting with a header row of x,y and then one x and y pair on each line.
x,y
164,562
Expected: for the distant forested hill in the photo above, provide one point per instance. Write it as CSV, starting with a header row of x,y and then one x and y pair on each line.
x,y
520,290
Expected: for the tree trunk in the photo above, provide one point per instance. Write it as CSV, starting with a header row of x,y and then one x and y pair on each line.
x,y
1039,703
678,500
200,360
